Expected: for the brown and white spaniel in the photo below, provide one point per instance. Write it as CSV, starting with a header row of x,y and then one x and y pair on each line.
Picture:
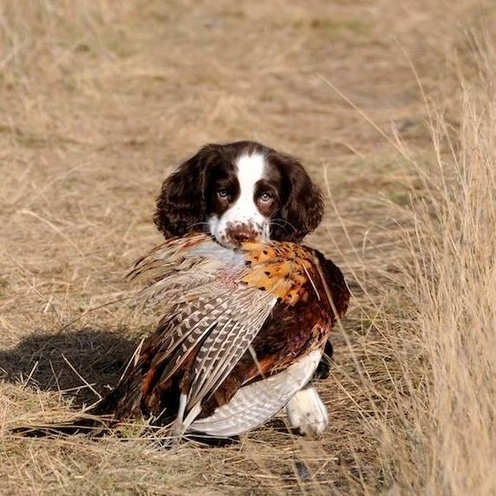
x,y
245,191
237,192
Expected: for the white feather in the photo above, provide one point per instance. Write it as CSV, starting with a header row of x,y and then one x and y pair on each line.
x,y
256,403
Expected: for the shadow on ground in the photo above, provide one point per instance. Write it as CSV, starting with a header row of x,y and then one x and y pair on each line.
x,y
67,361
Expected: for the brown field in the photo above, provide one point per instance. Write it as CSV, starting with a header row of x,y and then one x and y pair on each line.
x,y
390,105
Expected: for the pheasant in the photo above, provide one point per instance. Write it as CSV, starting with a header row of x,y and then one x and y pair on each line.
x,y
243,331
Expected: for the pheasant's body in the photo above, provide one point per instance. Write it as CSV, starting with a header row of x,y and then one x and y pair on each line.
x,y
242,332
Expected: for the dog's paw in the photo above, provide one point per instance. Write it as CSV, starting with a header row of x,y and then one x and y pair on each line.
x,y
307,413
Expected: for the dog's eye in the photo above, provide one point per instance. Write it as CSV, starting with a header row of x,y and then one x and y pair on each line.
x,y
266,196
223,193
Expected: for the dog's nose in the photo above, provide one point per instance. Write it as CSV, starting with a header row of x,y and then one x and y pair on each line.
x,y
242,234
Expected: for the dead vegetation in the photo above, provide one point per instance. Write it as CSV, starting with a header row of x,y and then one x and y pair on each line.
x,y
100,99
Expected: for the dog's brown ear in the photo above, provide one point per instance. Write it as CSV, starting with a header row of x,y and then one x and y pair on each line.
x,y
181,204
303,206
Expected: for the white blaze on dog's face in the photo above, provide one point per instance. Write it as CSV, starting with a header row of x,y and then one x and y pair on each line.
x,y
244,201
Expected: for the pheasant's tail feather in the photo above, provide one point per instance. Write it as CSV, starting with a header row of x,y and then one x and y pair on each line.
x,y
89,426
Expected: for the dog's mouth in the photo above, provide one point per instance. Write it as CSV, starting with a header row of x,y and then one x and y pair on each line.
x,y
237,234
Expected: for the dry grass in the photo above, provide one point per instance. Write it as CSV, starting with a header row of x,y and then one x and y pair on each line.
x,y
100,99
443,442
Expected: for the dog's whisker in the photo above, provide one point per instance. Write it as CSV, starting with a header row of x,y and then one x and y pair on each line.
x,y
196,224
283,224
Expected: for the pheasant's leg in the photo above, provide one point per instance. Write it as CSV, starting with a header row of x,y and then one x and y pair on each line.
x,y
307,413
177,427
323,369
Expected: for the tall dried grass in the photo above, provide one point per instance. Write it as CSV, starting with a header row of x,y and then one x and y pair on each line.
x,y
440,436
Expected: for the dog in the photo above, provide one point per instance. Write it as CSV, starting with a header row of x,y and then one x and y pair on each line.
x,y
245,191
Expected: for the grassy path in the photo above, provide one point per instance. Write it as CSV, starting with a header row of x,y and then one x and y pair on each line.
x,y
98,102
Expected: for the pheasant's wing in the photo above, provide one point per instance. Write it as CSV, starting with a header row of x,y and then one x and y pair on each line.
x,y
247,310
183,277
228,337
255,403
171,347
217,331
185,328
